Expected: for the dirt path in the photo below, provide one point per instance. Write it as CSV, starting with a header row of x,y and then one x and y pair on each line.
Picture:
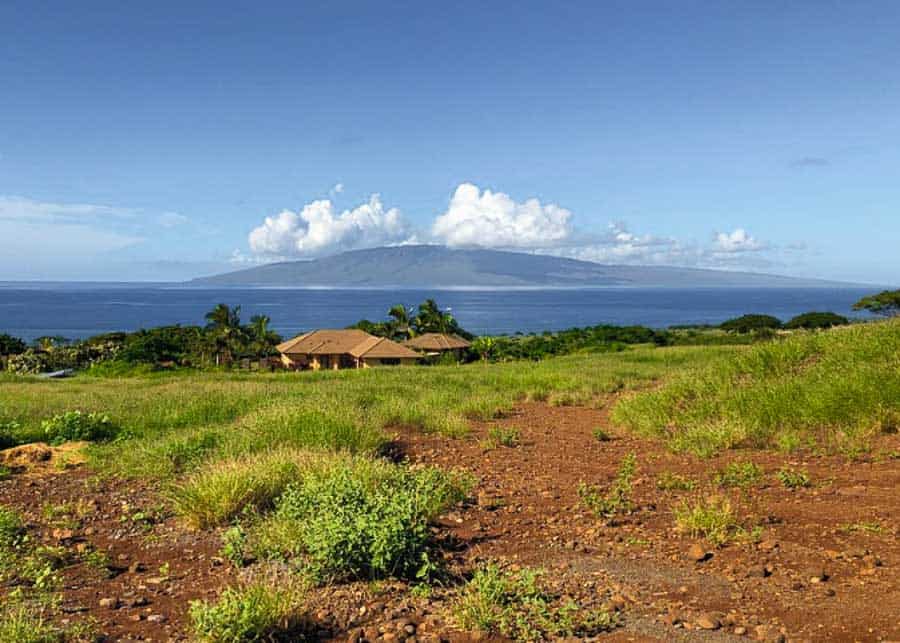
x,y
842,531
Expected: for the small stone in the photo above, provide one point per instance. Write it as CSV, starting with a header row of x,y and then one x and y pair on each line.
x,y
740,630
767,545
697,553
109,603
708,622
815,575
157,618
758,571
136,567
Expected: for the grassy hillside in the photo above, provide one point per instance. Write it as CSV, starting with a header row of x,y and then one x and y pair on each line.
x,y
832,390
170,423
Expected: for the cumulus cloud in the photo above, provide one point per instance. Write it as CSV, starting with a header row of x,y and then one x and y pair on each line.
x,y
337,189
494,219
737,241
318,230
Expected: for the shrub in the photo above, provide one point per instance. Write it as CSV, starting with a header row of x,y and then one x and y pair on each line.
x,y
515,605
252,613
710,518
8,431
748,323
601,435
77,426
793,478
817,320
739,474
11,527
10,345
361,520
887,303
617,499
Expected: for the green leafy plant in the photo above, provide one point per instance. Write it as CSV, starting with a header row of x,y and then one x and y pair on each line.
x,y
78,426
361,521
601,435
617,498
739,474
793,478
506,437
248,614
515,605
234,545
8,434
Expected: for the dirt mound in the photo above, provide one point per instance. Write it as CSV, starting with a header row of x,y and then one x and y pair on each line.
x,y
41,457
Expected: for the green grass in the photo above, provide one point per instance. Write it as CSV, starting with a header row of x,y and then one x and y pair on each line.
x,y
793,478
711,518
617,498
172,423
739,474
835,390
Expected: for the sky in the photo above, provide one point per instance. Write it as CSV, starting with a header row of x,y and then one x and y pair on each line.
x,y
162,141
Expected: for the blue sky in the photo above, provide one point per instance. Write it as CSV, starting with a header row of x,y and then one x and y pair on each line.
x,y
166,140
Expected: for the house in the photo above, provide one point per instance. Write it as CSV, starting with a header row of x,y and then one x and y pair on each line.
x,y
434,344
348,348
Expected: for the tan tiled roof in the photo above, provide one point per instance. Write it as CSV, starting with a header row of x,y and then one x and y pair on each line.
x,y
348,341
437,342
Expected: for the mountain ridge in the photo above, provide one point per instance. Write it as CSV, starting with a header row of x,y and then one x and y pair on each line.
x,y
426,266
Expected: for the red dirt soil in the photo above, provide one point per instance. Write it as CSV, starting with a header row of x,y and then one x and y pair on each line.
x,y
824,567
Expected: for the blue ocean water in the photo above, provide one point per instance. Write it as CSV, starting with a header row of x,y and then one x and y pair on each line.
x,y
78,311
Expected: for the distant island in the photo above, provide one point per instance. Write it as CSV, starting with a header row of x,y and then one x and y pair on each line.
x,y
428,266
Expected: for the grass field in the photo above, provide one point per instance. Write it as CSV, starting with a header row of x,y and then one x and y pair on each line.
x,y
171,423
833,390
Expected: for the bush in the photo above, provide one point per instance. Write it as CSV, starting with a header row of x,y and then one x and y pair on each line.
x,y
361,520
748,323
8,434
252,613
817,320
514,605
618,498
75,426
10,345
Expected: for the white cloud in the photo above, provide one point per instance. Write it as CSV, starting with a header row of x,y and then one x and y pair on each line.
x,y
318,229
171,219
494,219
16,208
337,189
736,242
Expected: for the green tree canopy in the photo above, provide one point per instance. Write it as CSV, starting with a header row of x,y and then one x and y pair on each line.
x,y
748,323
886,303
817,320
10,345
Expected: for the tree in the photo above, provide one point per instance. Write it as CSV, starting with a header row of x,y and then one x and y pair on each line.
x,y
748,323
400,321
224,324
484,347
10,345
431,319
817,320
262,339
886,303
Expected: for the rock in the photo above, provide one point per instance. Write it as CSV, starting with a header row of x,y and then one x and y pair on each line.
x,y
815,575
109,603
63,534
156,618
759,571
136,568
708,622
768,545
698,554
740,631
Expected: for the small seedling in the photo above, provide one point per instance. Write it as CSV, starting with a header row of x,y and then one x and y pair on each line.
x,y
793,478
617,499
669,481
868,527
710,518
498,436
739,474
601,435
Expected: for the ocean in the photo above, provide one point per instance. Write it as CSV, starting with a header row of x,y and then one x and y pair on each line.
x,y
77,310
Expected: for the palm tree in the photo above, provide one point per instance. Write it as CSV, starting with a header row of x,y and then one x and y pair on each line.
x,y
400,321
263,338
484,346
224,324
